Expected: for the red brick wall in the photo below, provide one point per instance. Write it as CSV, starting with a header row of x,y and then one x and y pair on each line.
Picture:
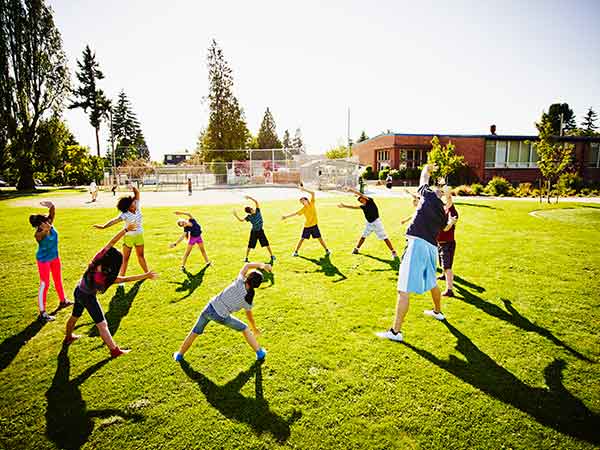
x,y
367,150
513,175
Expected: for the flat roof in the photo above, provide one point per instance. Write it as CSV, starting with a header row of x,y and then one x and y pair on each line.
x,y
501,137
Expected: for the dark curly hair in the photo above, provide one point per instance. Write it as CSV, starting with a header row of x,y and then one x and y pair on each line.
x,y
37,219
248,210
254,279
124,203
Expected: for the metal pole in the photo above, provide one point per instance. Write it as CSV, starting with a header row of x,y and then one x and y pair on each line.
x,y
112,144
349,152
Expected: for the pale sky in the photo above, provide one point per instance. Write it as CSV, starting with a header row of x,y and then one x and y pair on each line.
x,y
412,67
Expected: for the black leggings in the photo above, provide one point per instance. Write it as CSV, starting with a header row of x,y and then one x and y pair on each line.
x,y
89,302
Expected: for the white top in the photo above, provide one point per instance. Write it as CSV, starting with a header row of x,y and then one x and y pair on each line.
x,y
135,217
93,187
232,299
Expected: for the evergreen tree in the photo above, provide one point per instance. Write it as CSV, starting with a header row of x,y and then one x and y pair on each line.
x,y
267,134
297,143
34,79
226,128
127,132
553,117
88,96
363,137
286,142
589,122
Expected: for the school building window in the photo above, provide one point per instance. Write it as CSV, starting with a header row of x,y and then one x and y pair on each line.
x,y
592,155
510,154
383,159
415,158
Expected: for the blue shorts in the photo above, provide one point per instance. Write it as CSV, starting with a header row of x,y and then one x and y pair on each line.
x,y
417,269
209,314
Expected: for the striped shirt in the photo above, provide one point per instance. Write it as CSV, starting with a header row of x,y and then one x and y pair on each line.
x,y
256,220
232,298
135,217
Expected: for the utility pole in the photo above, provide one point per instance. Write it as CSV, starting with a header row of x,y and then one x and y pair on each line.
x,y
349,142
112,144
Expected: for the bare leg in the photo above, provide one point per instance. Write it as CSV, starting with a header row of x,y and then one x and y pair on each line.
x,y
323,243
126,255
449,279
70,327
139,250
436,296
201,246
187,342
269,249
401,310
299,245
105,335
251,340
389,244
248,252
361,241
188,249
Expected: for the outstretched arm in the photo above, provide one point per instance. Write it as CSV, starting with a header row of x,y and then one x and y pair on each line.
x,y
110,223
237,217
253,200
181,238
357,193
118,236
250,266
343,205
183,213
297,213
150,275
136,192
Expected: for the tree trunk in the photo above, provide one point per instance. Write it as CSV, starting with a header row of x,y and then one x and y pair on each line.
x,y
548,193
25,163
98,140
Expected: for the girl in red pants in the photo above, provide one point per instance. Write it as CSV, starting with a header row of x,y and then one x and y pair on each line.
x,y
47,259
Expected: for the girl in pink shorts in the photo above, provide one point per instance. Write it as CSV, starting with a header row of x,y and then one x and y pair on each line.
x,y
191,230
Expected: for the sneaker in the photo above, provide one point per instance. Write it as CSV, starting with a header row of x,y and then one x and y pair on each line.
x,y
295,254
448,293
183,268
177,357
70,339
394,255
208,263
327,252
441,277
273,259
391,335
435,315
246,260
65,303
116,352
261,354
355,251
45,317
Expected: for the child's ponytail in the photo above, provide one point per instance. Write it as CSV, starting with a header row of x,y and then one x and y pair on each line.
x,y
254,279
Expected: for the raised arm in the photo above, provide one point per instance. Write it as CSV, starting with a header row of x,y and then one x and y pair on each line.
x,y
136,192
119,235
426,174
183,213
236,216
51,210
250,266
357,193
343,205
110,223
308,191
253,200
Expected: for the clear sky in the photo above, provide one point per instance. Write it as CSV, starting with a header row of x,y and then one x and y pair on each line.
x,y
412,67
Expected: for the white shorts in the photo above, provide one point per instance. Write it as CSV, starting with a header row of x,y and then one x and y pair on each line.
x,y
375,227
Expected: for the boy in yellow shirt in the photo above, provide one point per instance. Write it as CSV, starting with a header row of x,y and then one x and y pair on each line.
x,y
311,228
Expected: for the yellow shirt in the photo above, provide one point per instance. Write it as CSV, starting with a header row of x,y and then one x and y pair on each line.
x,y
310,214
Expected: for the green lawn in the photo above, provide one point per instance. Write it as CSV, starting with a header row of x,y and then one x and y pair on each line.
x,y
514,366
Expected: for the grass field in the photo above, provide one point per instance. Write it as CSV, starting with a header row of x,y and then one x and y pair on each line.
x,y
514,366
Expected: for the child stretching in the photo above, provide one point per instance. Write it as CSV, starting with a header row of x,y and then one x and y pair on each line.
x,y
256,233
311,229
191,230
238,295
374,223
131,213
47,259
99,276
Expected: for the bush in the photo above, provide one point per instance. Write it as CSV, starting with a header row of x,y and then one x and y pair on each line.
x,y
462,190
383,174
368,173
477,188
523,190
569,183
396,174
412,173
498,187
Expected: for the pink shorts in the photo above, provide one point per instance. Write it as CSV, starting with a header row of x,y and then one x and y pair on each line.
x,y
195,240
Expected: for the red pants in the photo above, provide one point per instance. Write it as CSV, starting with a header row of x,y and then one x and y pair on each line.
x,y
45,267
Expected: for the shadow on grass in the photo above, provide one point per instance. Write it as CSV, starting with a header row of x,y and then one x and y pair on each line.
x,y
118,308
394,264
468,284
512,316
554,407
327,267
268,277
232,404
190,284
68,421
476,205
11,346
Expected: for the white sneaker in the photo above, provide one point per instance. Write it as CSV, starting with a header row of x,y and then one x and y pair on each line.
x,y
295,254
394,255
327,252
389,334
355,251
432,313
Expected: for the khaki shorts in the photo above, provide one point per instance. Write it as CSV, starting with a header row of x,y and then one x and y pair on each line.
x,y
134,240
